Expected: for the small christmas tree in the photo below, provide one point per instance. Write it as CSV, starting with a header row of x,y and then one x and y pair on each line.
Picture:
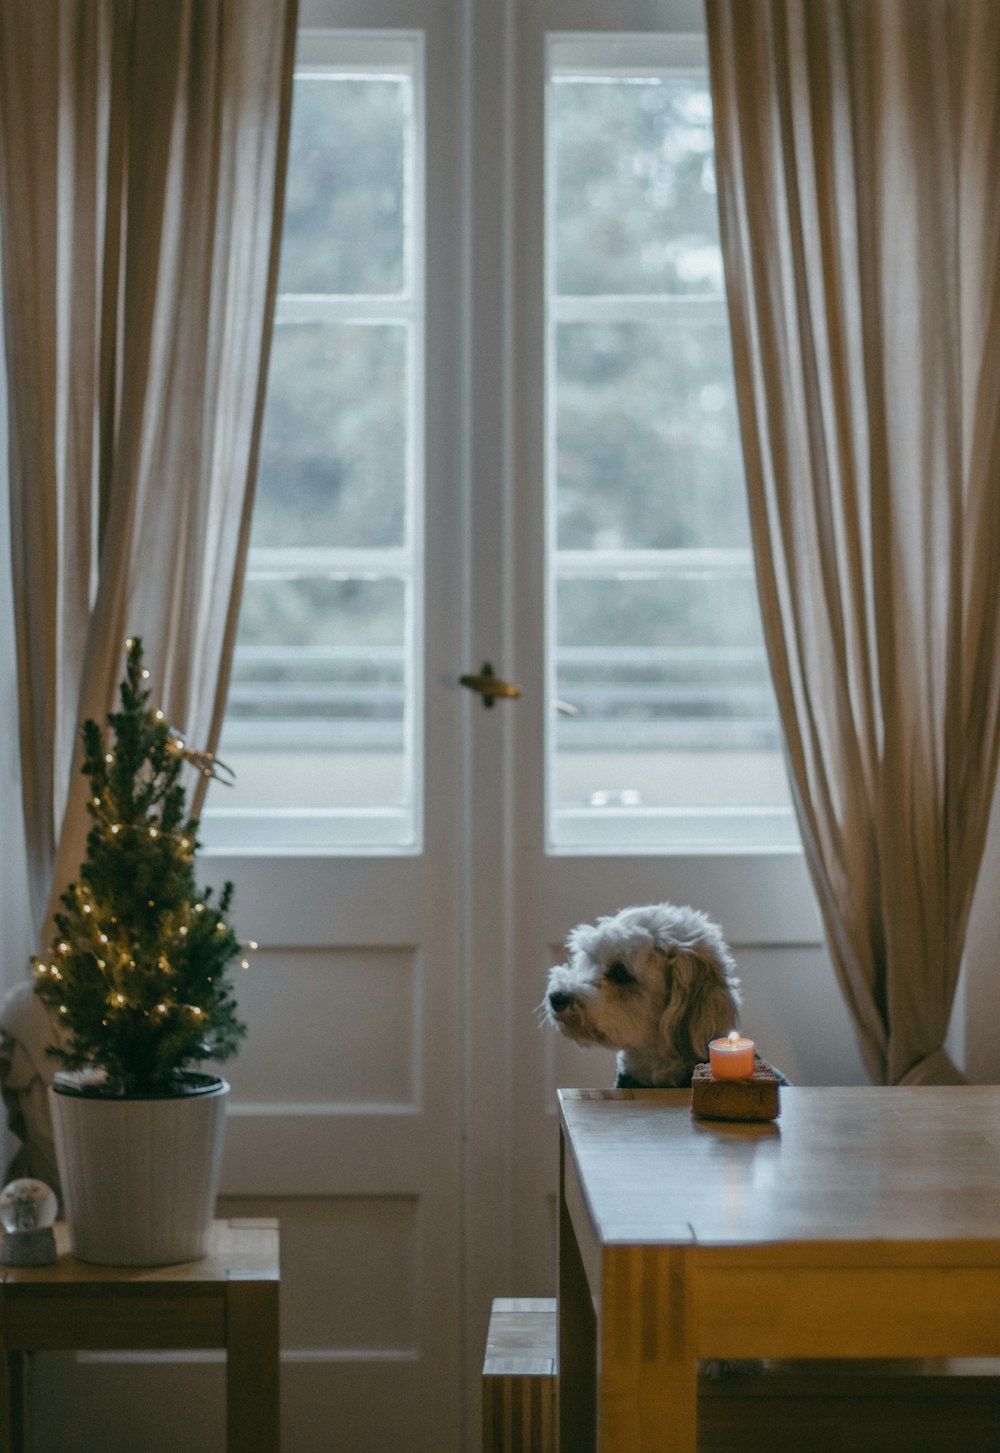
x,y
137,972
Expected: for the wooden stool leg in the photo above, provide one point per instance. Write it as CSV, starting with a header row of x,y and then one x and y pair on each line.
x,y
252,1367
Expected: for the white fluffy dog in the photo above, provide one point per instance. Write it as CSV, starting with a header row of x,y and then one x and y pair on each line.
x,y
654,983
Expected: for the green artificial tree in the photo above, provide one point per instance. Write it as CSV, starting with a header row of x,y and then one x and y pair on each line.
x,y
137,973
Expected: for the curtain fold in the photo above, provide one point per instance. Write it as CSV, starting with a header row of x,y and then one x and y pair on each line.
x,y
142,154
142,161
858,152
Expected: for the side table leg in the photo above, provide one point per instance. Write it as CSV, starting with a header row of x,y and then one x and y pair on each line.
x,y
252,1367
13,1401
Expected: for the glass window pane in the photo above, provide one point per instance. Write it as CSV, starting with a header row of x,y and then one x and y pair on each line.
x,y
322,722
333,452
673,702
317,707
635,207
700,606
664,728
648,451
345,203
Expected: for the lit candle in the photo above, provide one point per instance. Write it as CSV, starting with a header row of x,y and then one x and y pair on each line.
x,y
731,1058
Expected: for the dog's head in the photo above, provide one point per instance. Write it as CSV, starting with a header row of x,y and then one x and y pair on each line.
x,y
657,983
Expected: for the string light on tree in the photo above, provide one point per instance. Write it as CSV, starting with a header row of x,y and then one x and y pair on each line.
x,y
141,985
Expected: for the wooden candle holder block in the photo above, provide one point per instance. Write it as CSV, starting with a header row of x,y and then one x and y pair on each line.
x,y
755,1098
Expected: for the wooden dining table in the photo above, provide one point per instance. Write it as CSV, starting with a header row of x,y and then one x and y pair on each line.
x,y
862,1223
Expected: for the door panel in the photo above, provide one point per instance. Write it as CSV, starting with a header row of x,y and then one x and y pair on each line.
x,y
347,1108
560,874
344,1123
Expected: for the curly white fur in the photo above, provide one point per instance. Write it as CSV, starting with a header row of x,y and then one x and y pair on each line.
x,y
655,983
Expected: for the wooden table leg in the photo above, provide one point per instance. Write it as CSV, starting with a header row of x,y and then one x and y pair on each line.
x,y
648,1361
577,1341
252,1367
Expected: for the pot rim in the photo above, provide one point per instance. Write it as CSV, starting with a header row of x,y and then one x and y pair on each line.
x,y
89,1085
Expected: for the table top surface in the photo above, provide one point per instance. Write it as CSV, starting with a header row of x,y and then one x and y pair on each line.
x,y
239,1248
913,1164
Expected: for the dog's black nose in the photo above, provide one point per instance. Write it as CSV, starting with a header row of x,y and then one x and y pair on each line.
x,y
558,1001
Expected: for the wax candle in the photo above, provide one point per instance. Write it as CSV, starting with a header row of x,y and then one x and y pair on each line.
x,y
731,1058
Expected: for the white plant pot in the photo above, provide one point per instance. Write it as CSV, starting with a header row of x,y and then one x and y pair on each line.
x,y
140,1176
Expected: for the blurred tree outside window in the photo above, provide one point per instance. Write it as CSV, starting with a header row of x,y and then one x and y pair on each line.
x,y
323,701
654,637
656,645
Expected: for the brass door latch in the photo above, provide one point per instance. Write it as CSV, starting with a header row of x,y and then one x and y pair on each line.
x,y
489,686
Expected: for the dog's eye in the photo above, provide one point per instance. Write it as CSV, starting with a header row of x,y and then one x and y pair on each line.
x,y
618,973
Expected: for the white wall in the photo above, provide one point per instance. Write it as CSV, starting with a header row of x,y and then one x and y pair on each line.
x,y
16,931
982,973
795,1013
15,917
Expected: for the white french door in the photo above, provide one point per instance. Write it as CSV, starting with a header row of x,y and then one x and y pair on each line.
x,y
641,762
394,1101
349,1108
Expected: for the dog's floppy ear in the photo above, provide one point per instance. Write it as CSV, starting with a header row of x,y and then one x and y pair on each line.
x,y
704,999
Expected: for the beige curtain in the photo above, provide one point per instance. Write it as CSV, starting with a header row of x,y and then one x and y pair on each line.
x,y
142,159
859,184
142,151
